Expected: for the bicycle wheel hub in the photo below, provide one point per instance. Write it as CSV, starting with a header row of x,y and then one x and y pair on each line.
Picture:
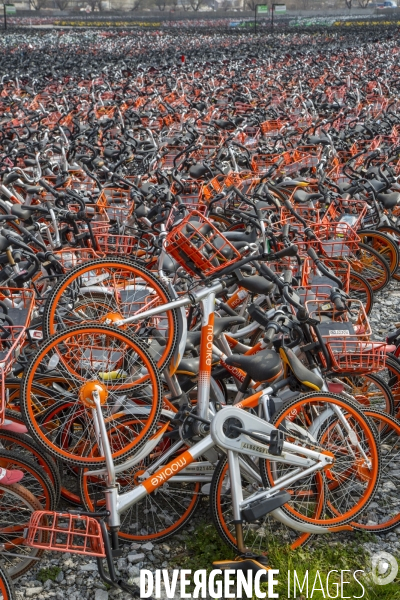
x,y
86,393
111,318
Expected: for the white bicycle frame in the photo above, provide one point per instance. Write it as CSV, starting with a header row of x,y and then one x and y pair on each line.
x,y
305,460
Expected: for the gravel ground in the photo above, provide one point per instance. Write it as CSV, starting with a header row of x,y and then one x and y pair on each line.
x,y
79,579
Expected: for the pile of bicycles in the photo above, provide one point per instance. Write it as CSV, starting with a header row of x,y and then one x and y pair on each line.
x,y
190,251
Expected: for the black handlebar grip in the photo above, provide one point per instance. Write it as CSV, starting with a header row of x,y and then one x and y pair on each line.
x,y
288,204
312,254
8,217
290,251
269,334
337,300
52,259
287,276
285,230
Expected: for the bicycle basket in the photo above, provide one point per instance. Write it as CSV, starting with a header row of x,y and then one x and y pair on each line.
x,y
65,533
199,247
347,338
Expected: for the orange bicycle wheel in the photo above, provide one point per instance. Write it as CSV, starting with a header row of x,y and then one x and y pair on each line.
x,y
371,265
159,514
108,288
7,591
83,359
340,428
384,514
383,244
265,532
16,507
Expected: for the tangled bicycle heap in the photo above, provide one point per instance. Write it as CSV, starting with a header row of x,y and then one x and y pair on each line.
x,y
190,242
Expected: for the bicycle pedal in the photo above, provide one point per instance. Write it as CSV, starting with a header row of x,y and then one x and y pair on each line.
x,y
258,510
243,564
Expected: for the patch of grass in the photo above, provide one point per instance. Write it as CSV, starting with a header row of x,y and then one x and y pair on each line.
x,y
204,546
326,558
50,573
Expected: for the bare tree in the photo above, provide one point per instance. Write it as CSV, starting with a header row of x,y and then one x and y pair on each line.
x,y
251,4
305,4
196,4
137,5
62,4
37,4
160,4
94,4
226,5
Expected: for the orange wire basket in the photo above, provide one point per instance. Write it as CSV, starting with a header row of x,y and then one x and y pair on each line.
x,y
347,337
351,212
354,356
115,244
187,208
71,257
199,247
65,533
119,206
310,275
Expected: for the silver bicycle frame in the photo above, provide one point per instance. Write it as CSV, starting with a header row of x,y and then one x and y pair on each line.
x,y
308,461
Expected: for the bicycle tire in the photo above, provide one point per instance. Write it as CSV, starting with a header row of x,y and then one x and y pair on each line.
x,y
395,233
361,289
7,591
12,536
158,515
35,478
55,423
388,431
382,244
371,265
340,472
269,530
360,391
137,272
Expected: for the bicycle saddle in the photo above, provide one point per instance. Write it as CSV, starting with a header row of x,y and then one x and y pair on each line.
x,y
20,212
315,139
190,366
244,563
198,170
257,284
111,153
4,243
263,366
169,265
304,375
223,323
377,185
389,200
241,236
302,196
192,340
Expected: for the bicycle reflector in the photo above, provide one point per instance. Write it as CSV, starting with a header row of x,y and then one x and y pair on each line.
x,y
63,532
